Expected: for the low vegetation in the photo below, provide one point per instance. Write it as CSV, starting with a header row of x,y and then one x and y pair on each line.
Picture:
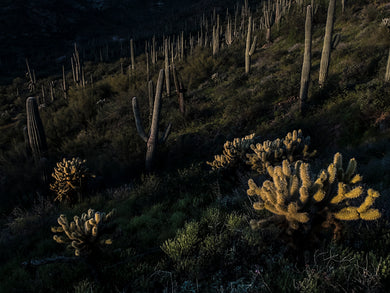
x,y
279,210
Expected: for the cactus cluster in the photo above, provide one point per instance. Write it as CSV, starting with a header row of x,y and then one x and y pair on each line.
x,y
293,147
299,202
70,177
232,151
84,233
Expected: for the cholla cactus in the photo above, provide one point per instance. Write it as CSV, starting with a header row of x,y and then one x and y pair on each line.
x,y
232,151
84,233
298,202
293,147
71,176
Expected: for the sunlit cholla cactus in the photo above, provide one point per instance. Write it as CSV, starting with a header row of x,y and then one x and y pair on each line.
x,y
298,202
232,152
293,147
84,233
70,177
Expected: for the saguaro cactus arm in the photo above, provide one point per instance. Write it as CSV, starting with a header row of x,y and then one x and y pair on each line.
x,y
166,134
138,122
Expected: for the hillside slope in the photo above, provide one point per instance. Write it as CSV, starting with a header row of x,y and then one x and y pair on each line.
x,y
185,227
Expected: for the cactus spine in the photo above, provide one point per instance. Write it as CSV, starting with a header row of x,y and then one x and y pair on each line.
x,y
249,50
387,76
305,76
325,57
151,141
36,133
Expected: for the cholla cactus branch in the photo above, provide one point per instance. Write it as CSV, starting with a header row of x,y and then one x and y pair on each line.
x,y
232,152
84,234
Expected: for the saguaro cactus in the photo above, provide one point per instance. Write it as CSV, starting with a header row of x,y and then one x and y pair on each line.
x,y
152,141
229,32
166,66
268,20
249,50
63,84
215,37
305,76
150,96
32,81
36,133
387,76
325,57
132,54
179,89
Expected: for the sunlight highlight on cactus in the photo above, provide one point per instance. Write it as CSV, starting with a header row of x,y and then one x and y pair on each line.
x,y
232,151
70,177
293,147
84,233
299,201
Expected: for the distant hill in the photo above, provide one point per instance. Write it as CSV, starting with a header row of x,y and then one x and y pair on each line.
x,y
45,30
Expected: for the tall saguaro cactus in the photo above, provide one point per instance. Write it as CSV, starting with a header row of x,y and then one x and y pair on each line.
x,y
179,89
36,133
305,75
387,75
249,50
152,141
36,137
325,57
166,67
268,20
132,54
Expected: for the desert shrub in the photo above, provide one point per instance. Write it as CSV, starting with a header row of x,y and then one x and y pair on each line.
x,y
339,269
202,248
